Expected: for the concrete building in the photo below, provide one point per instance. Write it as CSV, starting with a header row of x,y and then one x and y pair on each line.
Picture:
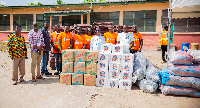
x,y
149,15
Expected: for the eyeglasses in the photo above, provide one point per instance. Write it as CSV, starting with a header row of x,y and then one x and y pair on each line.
x,y
35,25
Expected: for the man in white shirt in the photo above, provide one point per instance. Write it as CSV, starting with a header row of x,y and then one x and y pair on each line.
x,y
97,40
125,37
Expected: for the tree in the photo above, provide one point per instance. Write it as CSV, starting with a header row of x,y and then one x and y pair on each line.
x,y
38,3
1,5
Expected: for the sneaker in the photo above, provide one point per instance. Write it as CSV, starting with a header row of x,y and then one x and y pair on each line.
x,y
56,73
164,61
47,73
44,76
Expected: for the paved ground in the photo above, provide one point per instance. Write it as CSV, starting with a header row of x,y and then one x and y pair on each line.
x,y
49,93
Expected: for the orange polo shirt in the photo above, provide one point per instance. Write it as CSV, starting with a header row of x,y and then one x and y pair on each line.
x,y
65,40
88,40
137,38
79,41
110,37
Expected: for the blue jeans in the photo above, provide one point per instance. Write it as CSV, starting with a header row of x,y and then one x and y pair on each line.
x,y
57,55
45,59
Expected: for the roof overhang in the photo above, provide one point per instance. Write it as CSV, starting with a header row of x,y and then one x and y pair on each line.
x,y
69,12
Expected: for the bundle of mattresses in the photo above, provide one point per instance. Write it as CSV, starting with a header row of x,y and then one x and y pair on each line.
x,y
145,74
182,76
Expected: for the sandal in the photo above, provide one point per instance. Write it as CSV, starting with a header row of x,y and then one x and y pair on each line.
x,y
22,80
33,80
40,77
15,83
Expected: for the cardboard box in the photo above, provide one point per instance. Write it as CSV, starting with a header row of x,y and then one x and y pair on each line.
x,y
91,68
125,84
102,66
89,80
114,83
102,82
115,58
79,67
106,48
92,55
77,79
102,74
114,67
66,78
68,55
114,74
103,57
127,67
120,49
68,67
126,49
127,58
80,55
125,76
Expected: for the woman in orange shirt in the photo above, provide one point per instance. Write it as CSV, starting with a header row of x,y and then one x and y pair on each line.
x,y
88,37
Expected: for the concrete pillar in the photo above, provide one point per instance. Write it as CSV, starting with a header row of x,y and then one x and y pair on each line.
x,y
11,22
158,22
60,20
81,19
50,23
88,18
34,17
121,18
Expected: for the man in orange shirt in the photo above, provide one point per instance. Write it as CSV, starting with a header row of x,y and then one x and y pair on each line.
x,y
138,41
79,40
111,36
54,43
88,37
65,39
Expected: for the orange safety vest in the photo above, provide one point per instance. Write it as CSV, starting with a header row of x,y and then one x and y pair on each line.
x,y
54,38
163,38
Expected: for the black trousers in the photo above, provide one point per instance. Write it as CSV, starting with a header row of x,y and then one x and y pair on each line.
x,y
164,49
133,51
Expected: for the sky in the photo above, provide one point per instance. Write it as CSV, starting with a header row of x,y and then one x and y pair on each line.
x,y
45,2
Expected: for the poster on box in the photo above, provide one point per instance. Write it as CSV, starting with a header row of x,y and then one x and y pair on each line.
x,y
65,78
68,67
126,76
103,57
127,58
102,73
127,67
125,84
102,82
114,67
114,83
114,74
68,55
89,80
79,67
90,68
77,79
102,66
117,49
80,55
106,48
115,58
92,55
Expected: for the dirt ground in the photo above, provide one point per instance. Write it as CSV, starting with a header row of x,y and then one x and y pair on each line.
x,y
49,93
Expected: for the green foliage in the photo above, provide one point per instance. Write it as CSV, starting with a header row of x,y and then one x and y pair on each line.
x,y
92,1
38,3
59,2
1,5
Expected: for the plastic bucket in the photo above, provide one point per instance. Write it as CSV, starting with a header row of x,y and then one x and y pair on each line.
x,y
185,46
194,46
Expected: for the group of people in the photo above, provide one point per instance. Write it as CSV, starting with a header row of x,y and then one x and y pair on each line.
x,y
41,41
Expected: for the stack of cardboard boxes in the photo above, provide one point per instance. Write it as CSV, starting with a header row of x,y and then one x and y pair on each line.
x,y
79,67
120,63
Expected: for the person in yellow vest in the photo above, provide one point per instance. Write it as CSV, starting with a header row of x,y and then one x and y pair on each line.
x,y
111,36
88,37
54,44
65,39
163,38
79,39
138,41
